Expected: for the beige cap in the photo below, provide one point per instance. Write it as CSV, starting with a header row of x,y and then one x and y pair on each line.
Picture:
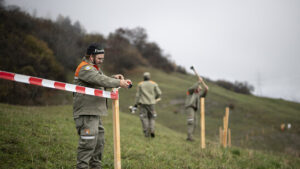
x,y
147,74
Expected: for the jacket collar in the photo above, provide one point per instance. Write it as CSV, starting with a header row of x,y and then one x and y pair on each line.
x,y
89,62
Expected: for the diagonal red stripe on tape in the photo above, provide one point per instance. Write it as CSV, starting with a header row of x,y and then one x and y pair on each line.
x,y
114,95
59,85
35,81
98,92
6,75
80,89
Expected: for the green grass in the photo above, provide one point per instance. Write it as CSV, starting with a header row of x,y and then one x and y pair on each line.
x,y
45,137
254,122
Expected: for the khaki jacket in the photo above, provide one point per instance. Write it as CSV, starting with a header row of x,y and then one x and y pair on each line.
x,y
89,75
147,92
192,99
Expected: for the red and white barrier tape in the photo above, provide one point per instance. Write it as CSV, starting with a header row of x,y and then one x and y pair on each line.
x,y
58,85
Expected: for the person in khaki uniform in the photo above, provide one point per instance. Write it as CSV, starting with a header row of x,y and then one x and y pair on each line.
x,y
87,109
192,105
148,93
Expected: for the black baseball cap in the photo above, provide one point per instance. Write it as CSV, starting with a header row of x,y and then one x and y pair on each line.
x,y
94,49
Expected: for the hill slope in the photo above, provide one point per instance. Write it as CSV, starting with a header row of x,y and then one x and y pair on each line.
x,y
254,121
45,137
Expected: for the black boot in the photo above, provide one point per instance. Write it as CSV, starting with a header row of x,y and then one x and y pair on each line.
x,y
190,138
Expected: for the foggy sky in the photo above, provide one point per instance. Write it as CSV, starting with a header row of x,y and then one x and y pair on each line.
x,y
257,41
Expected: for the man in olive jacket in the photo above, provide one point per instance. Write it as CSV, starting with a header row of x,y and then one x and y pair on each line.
x,y
87,109
192,105
148,93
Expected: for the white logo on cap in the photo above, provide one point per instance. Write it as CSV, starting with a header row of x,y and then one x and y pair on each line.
x,y
97,50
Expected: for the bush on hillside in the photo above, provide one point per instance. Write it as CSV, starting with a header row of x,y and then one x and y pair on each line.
x,y
122,54
238,87
32,57
149,50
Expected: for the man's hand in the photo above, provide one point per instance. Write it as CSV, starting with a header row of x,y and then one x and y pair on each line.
x,y
157,100
125,83
118,76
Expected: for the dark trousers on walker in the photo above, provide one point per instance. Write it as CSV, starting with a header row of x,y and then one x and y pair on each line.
x,y
147,116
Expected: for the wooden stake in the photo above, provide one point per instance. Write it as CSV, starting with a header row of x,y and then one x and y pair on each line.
x,y
116,128
226,126
202,123
229,138
221,135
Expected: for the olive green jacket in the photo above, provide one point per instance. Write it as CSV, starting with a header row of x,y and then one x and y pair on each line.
x,y
147,92
192,99
89,76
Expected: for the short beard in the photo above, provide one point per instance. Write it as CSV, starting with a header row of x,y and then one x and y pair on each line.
x,y
94,59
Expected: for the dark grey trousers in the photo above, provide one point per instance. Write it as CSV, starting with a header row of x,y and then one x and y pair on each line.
x,y
91,141
191,121
147,116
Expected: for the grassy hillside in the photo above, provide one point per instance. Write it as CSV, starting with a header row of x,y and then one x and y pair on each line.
x,y
45,137
254,121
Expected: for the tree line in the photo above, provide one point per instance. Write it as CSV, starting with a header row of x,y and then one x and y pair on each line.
x,y
48,49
